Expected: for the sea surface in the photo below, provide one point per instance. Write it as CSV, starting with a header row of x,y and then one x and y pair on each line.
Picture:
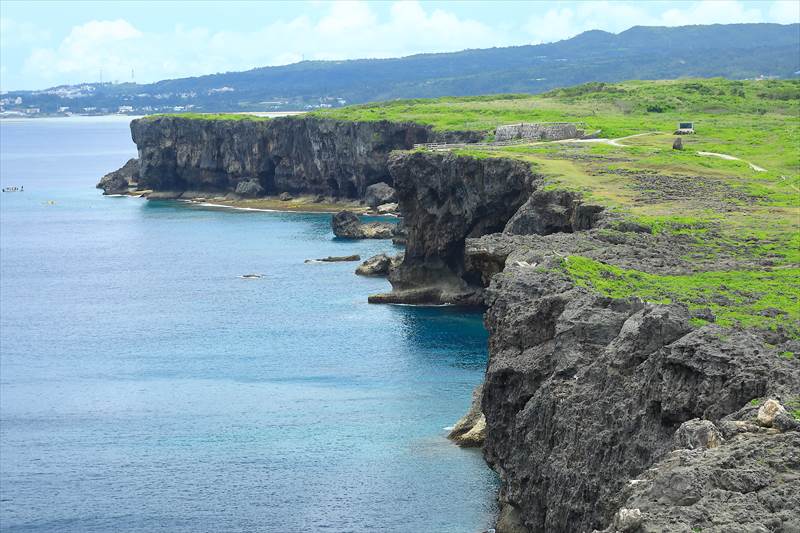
x,y
145,387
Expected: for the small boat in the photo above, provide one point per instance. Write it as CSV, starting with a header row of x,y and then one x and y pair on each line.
x,y
251,276
14,189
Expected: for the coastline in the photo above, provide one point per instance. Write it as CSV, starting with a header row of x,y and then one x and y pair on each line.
x,y
299,204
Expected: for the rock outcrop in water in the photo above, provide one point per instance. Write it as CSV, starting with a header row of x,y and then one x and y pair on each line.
x,y
379,265
120,180
347,225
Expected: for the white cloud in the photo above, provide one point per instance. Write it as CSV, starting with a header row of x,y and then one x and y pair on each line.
x,y
711,12
345,30
563,22
785,12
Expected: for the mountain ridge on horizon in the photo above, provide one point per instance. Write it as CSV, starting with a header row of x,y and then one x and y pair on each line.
x,y
735,51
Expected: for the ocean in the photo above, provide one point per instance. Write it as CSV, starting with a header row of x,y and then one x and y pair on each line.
x,y
145,386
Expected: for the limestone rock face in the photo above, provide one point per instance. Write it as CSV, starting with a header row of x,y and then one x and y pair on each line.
x,y
287,154
347,225
378,194
749,483
548,212
297,155
117,182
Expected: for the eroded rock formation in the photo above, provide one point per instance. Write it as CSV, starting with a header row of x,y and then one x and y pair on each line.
x,y
347,225
444,199
119,181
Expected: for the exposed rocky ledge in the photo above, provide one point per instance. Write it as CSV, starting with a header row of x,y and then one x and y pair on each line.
x,y
470,430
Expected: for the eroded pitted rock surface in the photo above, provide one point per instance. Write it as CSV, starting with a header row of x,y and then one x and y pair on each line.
x,y
584,392
750,482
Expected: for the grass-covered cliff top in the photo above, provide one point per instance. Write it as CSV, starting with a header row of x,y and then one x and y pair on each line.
x,y
742,215
608,106
209,116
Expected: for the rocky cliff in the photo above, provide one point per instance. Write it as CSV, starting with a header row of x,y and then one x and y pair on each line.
x,y
584,394
267,157
592,406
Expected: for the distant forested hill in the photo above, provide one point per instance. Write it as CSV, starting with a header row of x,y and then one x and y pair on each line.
x,y
734,51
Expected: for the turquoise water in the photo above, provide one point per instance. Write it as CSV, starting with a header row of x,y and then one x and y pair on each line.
x,y
145,387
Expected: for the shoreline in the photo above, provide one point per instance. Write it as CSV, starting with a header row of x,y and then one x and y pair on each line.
x,y
267,204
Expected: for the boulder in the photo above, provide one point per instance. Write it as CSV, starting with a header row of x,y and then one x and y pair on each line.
x,y
378,194
285,197
386,209
697,434
249,188
379,265
119,181
768,411
347,225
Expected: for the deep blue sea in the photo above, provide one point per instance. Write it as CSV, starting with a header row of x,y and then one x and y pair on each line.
x,y
145,387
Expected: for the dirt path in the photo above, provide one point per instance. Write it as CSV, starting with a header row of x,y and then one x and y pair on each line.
x,y
612,142
733,158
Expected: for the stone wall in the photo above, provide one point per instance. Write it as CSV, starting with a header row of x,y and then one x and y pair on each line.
x,y
545,131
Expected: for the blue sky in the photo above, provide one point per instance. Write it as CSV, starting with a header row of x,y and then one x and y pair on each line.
x,y
50,43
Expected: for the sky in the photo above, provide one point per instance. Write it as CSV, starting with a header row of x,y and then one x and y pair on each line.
x,y
43,44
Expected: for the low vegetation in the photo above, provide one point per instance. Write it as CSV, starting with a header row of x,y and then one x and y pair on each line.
x,y
766,300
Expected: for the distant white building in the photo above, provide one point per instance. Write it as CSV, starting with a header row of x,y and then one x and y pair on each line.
x,y
32,111
125,109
